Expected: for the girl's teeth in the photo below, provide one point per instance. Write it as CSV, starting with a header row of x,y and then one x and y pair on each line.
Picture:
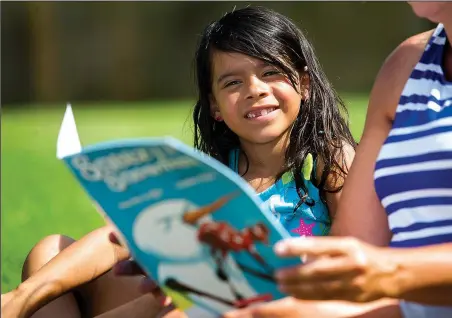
x,y
259,113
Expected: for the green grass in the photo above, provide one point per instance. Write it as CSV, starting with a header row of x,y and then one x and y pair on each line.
x,y
40,197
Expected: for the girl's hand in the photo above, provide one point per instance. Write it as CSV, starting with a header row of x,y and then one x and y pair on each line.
x,y
131,268
337,269
147,285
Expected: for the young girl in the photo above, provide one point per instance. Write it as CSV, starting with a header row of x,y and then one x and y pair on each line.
x,y
265,109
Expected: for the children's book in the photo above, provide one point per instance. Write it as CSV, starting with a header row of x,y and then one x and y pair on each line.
x,y
193,225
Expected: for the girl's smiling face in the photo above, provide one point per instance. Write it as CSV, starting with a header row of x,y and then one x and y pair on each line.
x,y
256,100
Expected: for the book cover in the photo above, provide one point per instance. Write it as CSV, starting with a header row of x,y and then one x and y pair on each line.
x,y
192,224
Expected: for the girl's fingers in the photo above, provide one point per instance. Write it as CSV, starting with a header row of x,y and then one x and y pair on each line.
x,y
128,268
131,268
113,238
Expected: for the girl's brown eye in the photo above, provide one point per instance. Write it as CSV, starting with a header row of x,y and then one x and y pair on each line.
x,y
272,72
231,83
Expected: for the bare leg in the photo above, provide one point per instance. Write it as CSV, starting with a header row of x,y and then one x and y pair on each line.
x,y
139,308
78,268
41,254
110,291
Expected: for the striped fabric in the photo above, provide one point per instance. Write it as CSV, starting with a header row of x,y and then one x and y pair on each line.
x,y
413,173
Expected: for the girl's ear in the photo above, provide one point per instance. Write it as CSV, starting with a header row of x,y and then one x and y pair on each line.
x,y
214,110
305,84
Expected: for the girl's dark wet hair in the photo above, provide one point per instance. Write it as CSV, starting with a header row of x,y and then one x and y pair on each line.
x,y
321,127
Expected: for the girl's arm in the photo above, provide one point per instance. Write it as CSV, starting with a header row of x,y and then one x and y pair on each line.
x,y
336,178
79,263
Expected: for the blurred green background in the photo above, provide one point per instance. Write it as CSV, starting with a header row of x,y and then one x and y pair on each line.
x,y
127,69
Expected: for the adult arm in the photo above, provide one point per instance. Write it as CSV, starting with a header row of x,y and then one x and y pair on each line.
x,y
417,274
360,213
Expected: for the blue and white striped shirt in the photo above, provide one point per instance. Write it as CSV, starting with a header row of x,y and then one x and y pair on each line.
x,y
413,173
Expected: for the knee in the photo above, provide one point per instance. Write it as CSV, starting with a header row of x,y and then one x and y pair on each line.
x,y
44,251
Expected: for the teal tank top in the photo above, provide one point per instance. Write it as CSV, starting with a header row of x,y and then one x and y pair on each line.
x,y
282,199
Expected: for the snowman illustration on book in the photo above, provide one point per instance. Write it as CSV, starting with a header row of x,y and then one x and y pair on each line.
x,y
196,264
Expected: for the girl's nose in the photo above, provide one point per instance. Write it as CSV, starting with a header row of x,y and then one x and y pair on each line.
x,y
257,88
